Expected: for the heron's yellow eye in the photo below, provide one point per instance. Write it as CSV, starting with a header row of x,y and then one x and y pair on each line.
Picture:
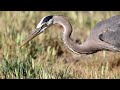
x,y
44,25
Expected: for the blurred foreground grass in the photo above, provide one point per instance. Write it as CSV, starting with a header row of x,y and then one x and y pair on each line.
x,y
46,57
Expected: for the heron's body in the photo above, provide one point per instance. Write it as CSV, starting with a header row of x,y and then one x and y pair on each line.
x,y
104,36
107,32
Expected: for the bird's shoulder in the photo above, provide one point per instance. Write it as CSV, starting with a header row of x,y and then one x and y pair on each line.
x,y
111,33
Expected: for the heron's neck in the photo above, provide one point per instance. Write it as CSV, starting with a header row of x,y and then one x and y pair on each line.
x,y
76,48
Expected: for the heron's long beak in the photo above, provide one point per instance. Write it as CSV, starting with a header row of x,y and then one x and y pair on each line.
x,y
30,37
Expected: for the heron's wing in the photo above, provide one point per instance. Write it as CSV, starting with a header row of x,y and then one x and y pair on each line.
x,y
112,35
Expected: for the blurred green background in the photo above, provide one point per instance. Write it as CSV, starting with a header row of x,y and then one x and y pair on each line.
x,y
46,57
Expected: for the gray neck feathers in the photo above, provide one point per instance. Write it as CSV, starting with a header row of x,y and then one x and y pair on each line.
x,y
76,48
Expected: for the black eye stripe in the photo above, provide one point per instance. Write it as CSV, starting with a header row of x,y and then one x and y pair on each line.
x,y
47,19
44,25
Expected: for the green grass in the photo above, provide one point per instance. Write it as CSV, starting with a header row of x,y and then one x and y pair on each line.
x,y
46,57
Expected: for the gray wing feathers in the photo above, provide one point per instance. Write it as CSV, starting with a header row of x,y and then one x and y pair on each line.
x,y
111,36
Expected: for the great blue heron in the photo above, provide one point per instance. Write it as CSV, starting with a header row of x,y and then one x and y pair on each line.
x,y
104,36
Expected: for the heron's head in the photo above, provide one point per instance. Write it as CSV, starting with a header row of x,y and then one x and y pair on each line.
x,y
42,26
45,23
